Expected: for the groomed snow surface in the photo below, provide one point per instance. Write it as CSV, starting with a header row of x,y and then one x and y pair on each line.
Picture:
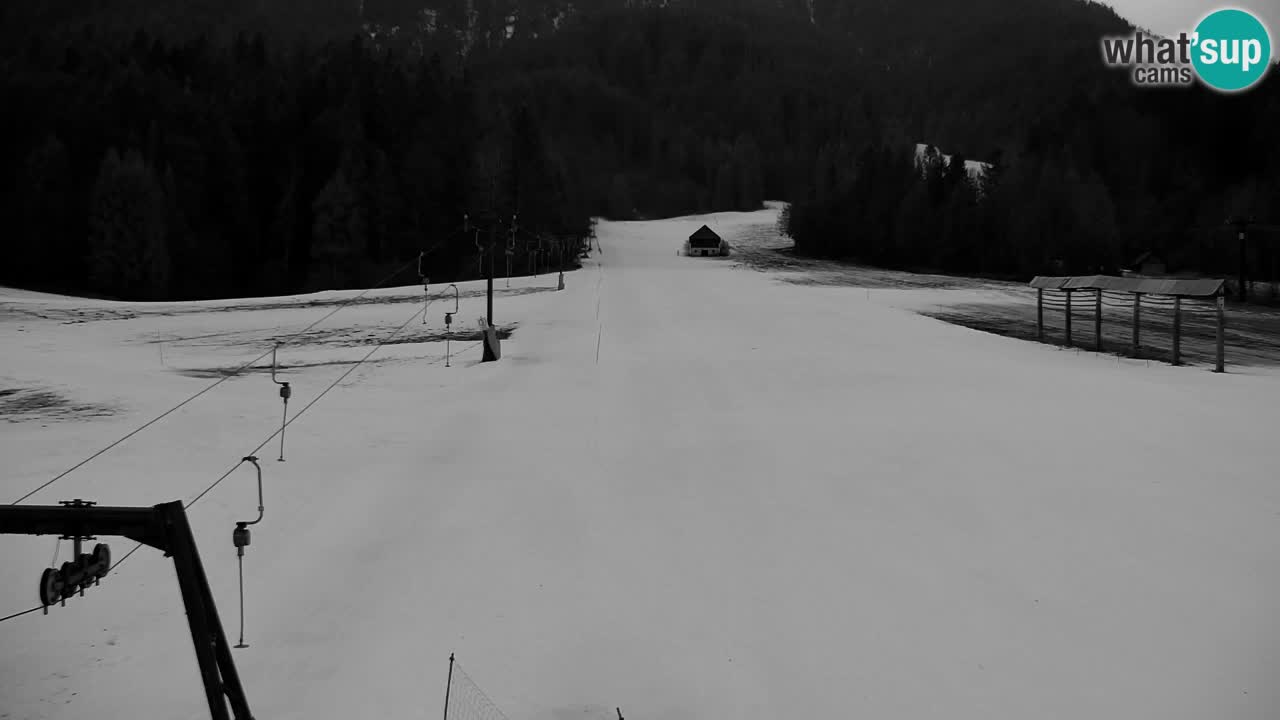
x,y
688,489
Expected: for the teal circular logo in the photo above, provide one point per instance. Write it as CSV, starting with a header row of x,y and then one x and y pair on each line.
x,y
1232,50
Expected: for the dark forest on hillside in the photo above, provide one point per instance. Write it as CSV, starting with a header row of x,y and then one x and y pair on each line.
x,y
241,148
152,171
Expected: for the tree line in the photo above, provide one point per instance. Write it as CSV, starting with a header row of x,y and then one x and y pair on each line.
x,y
150,170
323,143
1088,170
1085,196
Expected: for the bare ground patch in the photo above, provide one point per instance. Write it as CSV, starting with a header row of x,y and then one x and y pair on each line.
x,y
339,336
762,248
74,316
1251,337
352,338
219,372
26,404
358,337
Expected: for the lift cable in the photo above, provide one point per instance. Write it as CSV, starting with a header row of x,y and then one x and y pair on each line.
x,y
263,444
306,407
234,372
360,362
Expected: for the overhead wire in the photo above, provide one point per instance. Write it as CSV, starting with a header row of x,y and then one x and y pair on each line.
x,y
233,373
111,569
20,614
296,415
308,406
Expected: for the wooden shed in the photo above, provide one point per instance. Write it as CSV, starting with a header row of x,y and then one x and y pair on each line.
x,y
705,242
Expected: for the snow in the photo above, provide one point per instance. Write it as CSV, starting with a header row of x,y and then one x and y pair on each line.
x,y
763,500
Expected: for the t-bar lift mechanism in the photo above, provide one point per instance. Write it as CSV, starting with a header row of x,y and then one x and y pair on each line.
x,y
164,527
448,324
285,392
240,538
426,285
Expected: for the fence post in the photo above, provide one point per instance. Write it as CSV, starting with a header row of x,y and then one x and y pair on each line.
x,y
1097,320
1040,314
1177,329
1069,318
1137,323
1221,322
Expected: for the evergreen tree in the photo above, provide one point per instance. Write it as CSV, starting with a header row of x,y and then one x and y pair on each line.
x,y
41,248
621,206
128,257
341,227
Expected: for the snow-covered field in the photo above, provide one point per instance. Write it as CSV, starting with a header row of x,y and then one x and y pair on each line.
x,y
689,490
1252,332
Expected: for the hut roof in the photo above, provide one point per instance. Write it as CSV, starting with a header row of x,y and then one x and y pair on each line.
x,y
704,233
1185,288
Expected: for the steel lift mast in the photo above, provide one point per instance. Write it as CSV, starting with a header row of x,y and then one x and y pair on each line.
x,y
165,528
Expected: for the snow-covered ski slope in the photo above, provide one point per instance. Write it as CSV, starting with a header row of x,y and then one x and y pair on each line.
x,y
687,490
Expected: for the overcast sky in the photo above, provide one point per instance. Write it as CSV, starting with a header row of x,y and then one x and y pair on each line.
x,y
1172,16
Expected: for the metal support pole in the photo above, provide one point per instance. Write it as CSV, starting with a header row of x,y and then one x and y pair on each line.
x,y
1068,317
212,651
1244,281
240,538
285,392
240,564
448,684
284,422
1177,330
1221,365
1137,322
221,648
198,620
490,352
489,278
448,324
164,527
1097,320
426,287
1040,314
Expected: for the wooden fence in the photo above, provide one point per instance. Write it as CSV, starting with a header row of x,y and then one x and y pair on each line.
x,y
1108,290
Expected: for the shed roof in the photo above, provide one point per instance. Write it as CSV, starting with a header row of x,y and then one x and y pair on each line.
x,y
1147,286
704,233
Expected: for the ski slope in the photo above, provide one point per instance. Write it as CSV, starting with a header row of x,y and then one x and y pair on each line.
x,y
687,490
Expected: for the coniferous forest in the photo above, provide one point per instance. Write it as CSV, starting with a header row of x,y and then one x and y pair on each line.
x,y
195,150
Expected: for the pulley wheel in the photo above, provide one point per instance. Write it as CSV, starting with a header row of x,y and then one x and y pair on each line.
x,y
102,558
68,572
50,587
